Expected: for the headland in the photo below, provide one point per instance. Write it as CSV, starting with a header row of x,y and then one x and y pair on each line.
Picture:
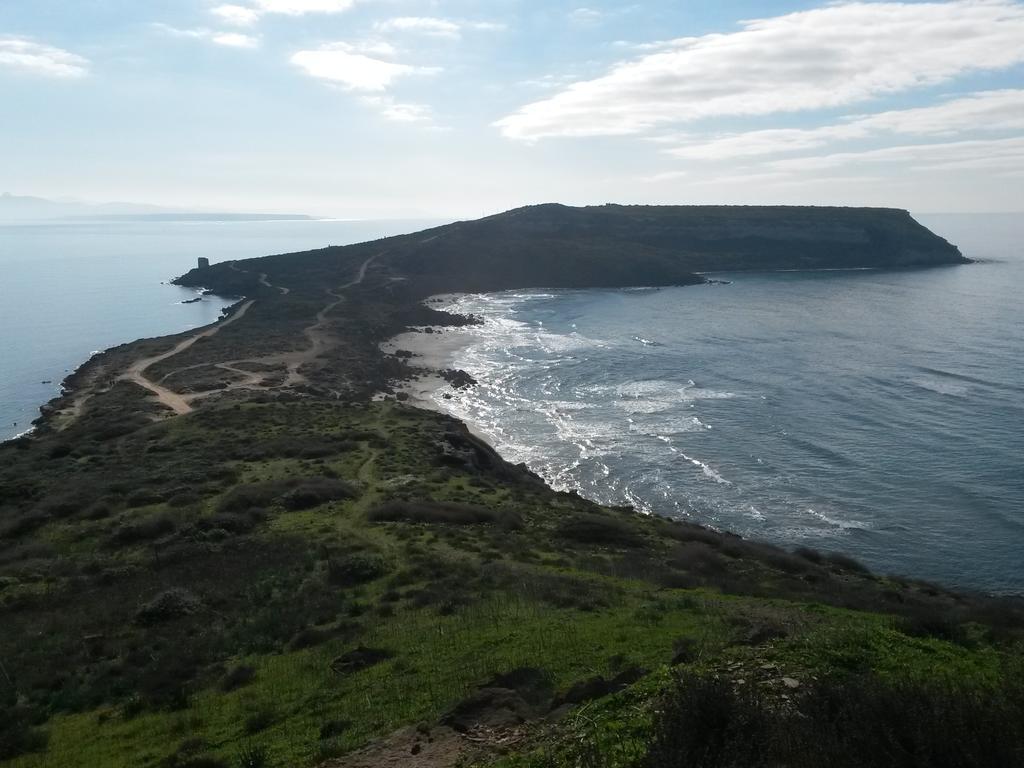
x,y
220,546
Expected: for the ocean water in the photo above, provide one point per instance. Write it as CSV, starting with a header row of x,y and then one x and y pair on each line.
x,y
69,289
876,413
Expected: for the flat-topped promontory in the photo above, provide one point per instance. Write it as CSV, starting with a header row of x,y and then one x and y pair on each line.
x,y
559,246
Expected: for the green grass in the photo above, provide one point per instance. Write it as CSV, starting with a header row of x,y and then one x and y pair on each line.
x,y
455,604
440,659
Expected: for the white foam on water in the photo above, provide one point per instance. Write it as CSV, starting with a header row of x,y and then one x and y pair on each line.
x,y
655,396
638,503
647,342
641,406
835,522
707,470
509,355
23,433
683,423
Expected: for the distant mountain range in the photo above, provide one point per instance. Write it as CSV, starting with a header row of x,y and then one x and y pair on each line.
x,y
18,208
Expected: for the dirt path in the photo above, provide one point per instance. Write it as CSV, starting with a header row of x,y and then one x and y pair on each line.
x,y
409,748
174,401
263,281
320,340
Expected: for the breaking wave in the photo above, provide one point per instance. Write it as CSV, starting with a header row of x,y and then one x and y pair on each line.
x,y
793,426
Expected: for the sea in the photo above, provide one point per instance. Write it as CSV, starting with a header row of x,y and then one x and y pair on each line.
x,y
69,289
877,413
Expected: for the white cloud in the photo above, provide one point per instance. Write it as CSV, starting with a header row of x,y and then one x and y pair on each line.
x,y
302,7
975,154
547,82
484,26
833,56
408,113
585,16
657,45
434,26
228,39
984,111
40,59
375,48
344,65
423,24
247,15
399,112
238,15
235,40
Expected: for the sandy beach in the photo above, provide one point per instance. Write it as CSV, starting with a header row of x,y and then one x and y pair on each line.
x,y
431,354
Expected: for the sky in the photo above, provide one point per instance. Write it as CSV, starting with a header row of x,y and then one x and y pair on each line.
x,y
456,108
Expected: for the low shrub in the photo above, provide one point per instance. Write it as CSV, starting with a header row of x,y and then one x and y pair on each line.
x,y
359,659
63,505
292,493
778,558
183,497
59,451
23,524
843,723
30,550
697,557
168,605
294,447
316,491
334,728
143,497
234,522
936,623
17,735
356,568
683,531
843,562
809,554
237,677
165,677
99,510
593,528
143,529
685,650
310,636
244,497
449,513
261,719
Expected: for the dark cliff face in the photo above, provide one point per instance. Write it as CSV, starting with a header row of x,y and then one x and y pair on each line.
x,y
558,246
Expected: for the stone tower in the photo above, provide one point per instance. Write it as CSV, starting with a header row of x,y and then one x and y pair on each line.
x,y
204,262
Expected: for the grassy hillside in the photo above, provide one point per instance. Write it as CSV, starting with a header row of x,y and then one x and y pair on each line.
x,y
281,583
222,550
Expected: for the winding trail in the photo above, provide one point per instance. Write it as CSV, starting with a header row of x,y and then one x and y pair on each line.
x,y
136,372
263,281
320,340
